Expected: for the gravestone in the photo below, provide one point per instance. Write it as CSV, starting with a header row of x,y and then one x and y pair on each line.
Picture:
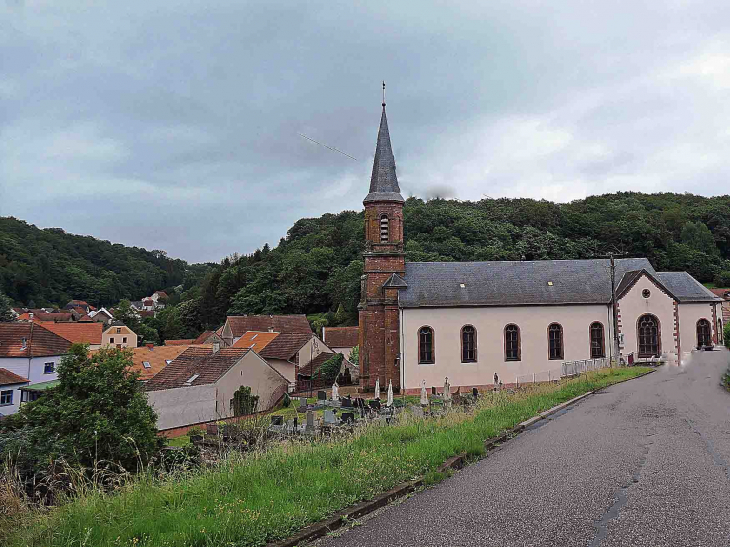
x,y
329,417
277,420
290,427
302,404
433,390
321,395
347,402
375,404
310,421
475,392
348,417
211,429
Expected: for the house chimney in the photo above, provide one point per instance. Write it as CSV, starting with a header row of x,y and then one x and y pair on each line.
x,y
31,315
216,346
150,346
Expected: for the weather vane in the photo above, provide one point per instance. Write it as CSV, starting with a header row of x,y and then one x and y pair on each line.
x,y
383,92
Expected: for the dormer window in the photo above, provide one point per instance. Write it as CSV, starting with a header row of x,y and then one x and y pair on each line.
x,y
384,235
24,343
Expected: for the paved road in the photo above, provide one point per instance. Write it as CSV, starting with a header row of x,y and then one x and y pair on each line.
x,y
641,463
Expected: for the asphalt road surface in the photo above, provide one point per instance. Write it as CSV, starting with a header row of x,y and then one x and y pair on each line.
x,y
645,462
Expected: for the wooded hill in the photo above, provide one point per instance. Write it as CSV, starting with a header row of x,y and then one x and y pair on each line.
x,y
316,268
50,267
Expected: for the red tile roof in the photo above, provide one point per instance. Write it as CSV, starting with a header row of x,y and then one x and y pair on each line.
x,y
148,302
84,333
182,342
7,377
341,337
722,293
277,323
255,340
40,342
284,346
208,367
203,338
161,294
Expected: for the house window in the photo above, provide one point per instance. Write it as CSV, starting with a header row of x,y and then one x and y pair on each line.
x,y
646,293
6,397
468,344
124,340
555,341
49,368
384,236
119,330
648,327
111,340
704,338
512,343
425,345
598,348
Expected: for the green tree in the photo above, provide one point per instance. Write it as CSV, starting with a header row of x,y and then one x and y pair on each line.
x,y
354,356
244,402
726,335
698,236
97,413
6,308
722,279
125,313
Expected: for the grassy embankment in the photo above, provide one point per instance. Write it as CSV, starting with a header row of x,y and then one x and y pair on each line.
x,y
252,499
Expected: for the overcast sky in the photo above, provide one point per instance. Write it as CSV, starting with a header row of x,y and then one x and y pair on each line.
x,y
175,125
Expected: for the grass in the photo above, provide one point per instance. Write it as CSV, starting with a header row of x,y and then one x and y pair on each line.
x,y
255,498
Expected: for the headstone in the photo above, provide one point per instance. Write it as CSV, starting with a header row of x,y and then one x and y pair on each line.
x,y
348,417
424,394
433,390
375,404
296,422
196,438
475,392
321,395
212,429
277,420
329,417
302,404
347,402
290,426
335,392
310,421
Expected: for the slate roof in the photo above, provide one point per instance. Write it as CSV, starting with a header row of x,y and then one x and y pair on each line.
x,y
40,342
285,345
255,340
686,288
241,324
83,332
207,365
7,378
384,182
513,283
341,337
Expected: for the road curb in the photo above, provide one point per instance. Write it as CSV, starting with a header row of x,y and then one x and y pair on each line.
x,y
341,518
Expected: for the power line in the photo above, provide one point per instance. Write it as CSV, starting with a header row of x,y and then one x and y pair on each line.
x,y
330,147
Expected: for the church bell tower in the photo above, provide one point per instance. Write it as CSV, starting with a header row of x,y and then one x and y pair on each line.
x,y
385,268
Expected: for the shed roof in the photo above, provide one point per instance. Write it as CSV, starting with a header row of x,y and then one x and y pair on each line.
x,y
7,377
686,288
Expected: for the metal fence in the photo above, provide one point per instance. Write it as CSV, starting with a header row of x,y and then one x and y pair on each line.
x,y
567,369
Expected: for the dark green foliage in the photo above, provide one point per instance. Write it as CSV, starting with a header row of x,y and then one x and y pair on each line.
x,y
354,356
50,267
722,279
329,370
726,335
6,312
243,402
97,413
287,401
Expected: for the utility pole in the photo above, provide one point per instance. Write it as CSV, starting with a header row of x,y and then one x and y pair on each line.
x,y
614,307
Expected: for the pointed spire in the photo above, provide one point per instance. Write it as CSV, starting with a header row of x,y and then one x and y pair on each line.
x,y
384,182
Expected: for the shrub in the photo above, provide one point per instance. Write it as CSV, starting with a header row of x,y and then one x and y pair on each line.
x,y
244,402
329,370
287,401
726,335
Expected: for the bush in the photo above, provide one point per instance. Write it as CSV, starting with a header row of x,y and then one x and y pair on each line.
x,y
244,403
726,335
722,279
329,370
287,401
97,413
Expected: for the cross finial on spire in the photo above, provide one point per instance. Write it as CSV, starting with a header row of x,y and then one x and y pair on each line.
x,y
383,93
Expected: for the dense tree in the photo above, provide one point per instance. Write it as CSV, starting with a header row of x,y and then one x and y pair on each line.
x,y
6,311
97,413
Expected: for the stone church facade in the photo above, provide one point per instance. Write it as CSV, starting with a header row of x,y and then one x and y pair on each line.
x,y
424,321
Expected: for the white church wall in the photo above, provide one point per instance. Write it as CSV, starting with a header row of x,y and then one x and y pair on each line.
x,y
689,314
633,305
490,323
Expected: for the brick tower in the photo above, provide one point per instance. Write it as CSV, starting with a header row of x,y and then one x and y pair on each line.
x,y
385,267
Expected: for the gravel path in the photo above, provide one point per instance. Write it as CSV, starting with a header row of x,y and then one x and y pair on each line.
x,y
643,463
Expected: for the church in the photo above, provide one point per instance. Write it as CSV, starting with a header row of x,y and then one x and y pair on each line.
x,y
469,321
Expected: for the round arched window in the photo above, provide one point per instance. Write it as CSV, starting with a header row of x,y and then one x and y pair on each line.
x,y
646,293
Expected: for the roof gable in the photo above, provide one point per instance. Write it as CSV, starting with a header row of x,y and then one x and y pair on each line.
x,y
285,346
196,366
39,342
82,332
240,324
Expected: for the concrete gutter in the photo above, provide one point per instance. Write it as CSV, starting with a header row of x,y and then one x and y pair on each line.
x,y
341,518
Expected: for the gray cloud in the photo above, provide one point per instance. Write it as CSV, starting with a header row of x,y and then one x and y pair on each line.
x,y
176,127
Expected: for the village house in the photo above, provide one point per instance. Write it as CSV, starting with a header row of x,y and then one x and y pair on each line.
x,y
101,316
119,336
78,333
425,321
10,384
198,386
36,315
237,325
341,339
724,294
30,352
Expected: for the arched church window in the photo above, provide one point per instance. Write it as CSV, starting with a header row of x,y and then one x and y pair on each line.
x,y
648,330
704,337
425,345
512,343
384,235
555,341
598,347
468,344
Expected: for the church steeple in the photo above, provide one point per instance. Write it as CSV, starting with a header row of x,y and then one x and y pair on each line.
x,y
384,182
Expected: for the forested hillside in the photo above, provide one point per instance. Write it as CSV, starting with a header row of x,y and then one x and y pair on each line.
x,y
317,267
50,267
